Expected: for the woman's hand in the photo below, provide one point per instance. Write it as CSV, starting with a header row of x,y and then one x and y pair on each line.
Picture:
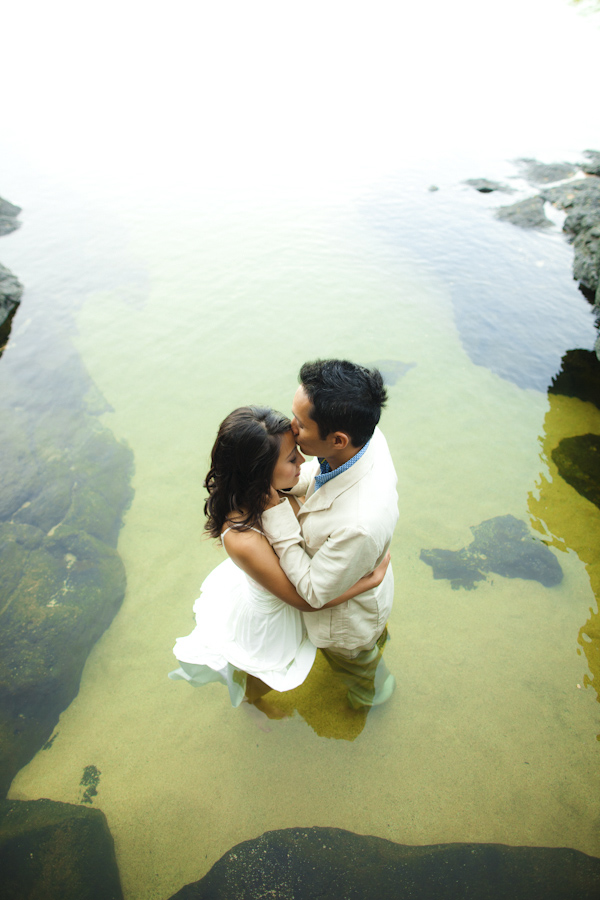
x,y
274,499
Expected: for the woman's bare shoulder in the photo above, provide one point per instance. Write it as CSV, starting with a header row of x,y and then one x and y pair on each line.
x,y
238,539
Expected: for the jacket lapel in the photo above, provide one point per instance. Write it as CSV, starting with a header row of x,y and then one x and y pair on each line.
x,y
324,497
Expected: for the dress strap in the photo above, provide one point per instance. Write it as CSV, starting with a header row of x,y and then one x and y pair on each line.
x,y
235,528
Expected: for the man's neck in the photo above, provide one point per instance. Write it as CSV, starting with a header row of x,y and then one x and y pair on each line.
x,y
343,456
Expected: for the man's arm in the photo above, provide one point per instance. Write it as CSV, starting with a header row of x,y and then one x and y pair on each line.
x,y
346,556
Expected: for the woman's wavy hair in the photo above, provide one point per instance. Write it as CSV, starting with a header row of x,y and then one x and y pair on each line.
x,y
242,462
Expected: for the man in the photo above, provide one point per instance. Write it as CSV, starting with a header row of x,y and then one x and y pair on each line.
x,y
344,528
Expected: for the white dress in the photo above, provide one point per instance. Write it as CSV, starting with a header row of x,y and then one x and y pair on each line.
x,y
243,629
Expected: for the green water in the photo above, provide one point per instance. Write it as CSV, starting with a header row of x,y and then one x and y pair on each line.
x,y
491,734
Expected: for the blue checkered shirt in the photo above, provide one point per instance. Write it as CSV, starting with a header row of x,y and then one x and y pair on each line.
x,y
327,473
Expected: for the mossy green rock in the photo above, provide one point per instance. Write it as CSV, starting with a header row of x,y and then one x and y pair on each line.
x,y
56,851
578,462
66,485
306,863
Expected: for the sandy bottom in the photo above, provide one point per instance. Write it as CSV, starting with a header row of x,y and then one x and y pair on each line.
x,y
491,733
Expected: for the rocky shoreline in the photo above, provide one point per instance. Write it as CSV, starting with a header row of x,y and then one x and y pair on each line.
x,y
66,484
11,289
571,188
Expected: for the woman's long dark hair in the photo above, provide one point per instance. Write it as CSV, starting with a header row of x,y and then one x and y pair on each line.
x,y
242,462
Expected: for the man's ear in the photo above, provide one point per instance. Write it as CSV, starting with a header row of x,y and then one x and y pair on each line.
x,y
340,440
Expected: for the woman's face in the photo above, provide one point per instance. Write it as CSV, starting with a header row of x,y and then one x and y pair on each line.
x,y
287,467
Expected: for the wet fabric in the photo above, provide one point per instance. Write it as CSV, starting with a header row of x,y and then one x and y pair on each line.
x,y
243,629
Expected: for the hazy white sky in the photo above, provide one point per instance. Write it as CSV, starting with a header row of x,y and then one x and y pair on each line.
x,y
127,92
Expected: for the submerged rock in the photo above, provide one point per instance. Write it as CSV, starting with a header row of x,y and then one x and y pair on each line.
x,y
392,369
66,483
56,851
578,462
503,545
306,863
485,186
526,213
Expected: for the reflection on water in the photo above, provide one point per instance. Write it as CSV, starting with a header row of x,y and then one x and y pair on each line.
x,y
567,518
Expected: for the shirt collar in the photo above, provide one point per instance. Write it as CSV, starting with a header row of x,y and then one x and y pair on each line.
x,y
327,473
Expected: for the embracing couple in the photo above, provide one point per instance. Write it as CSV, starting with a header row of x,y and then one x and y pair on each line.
x,y
308,543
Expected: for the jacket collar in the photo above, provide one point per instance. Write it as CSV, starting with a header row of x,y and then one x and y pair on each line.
x,y
327,493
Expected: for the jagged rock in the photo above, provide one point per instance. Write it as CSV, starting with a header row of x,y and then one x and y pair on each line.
x,y
503,545
8,217
8,209
582,201
526,213
56,851
545,173
592,164
586,264
485,186
579,376
65,487
578,461
11,291
308,863
8,224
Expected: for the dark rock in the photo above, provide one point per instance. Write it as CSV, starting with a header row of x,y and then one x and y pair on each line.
x,y
460,567
582,201
11,291
485,186
578,462
20,471
526,213
66,483
545,173
392,369
8,224
56,851
90,781
575,196
503,545
579,376
57,599
592,164
8,209
308,863
586,264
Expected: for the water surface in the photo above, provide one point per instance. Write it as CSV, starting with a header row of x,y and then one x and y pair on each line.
x,y
198,275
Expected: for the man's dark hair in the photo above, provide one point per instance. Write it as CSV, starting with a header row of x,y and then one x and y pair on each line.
x,y
344,397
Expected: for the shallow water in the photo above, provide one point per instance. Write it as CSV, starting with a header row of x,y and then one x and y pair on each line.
x,y
186,304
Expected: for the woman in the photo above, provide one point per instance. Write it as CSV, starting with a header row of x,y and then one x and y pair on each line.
x,y
249,630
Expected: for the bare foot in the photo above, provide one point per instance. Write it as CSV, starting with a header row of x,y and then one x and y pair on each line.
x,y
270,710
257,716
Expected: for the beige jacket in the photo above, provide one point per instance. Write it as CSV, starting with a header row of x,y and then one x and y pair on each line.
x,y
342,532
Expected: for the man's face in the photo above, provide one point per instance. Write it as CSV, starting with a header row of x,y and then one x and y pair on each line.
x,y
306,429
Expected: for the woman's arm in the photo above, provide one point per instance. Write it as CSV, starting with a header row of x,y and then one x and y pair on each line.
x,y
255,556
